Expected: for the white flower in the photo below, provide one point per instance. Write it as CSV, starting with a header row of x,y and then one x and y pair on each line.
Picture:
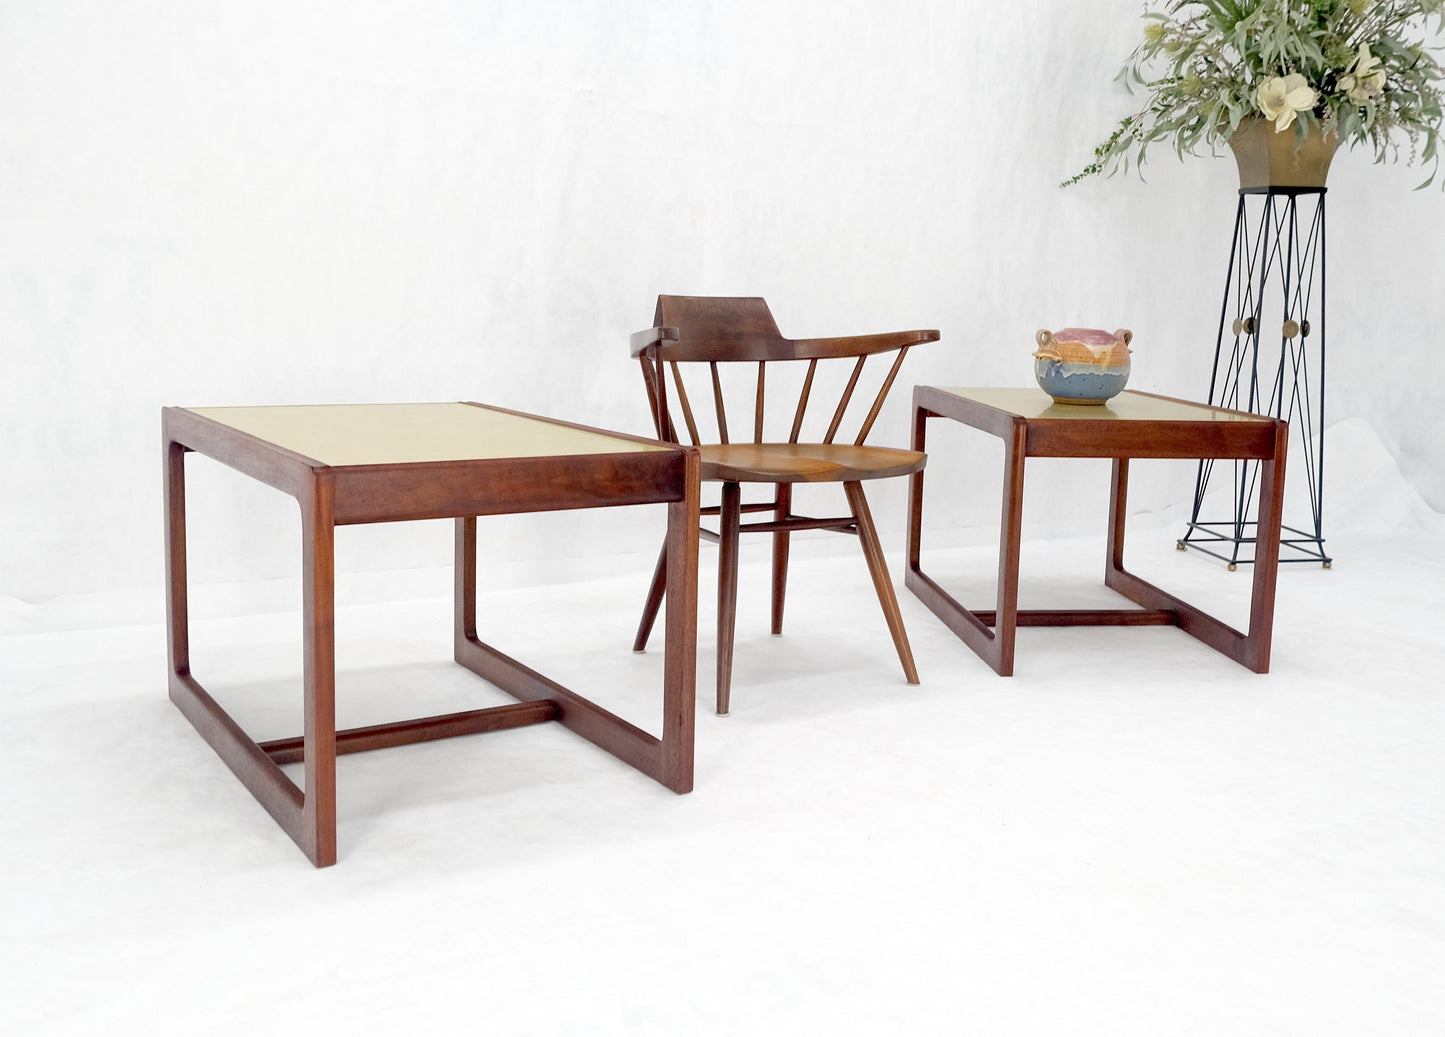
x,y
1281,98
1367,80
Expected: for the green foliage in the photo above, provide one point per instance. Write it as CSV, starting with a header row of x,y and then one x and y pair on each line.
x,y
1202,63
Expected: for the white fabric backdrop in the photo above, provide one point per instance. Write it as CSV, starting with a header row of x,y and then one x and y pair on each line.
x,y
362,201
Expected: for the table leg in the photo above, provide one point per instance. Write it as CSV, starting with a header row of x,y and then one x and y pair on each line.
x,y
679,687
464,582
1249,649
319,639
1005,623
1266,554
668,759
178,639
297,814
915,497
1118,507
990,634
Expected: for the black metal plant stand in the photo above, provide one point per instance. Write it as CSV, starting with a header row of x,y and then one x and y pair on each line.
x,y
1278,256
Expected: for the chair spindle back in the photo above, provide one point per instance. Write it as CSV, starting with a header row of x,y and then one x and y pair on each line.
x,y
731,330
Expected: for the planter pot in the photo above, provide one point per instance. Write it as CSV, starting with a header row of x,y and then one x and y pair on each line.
x,y
1269,159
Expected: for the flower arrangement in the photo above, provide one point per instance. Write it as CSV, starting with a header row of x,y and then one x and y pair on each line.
x,y
1354,68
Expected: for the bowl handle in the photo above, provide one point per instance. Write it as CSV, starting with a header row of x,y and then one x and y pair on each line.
x,y
1046,350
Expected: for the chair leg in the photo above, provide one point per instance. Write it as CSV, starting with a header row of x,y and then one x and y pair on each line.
x,y
781,510
882,584
727,590
654,602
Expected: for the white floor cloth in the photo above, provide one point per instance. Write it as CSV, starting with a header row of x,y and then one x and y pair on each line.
x,y
1133,835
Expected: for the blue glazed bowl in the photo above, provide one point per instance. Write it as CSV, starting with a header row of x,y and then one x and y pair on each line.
x,y
1079,383
1082,365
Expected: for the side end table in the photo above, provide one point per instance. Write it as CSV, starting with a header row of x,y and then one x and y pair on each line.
x,y
1131,425
351,464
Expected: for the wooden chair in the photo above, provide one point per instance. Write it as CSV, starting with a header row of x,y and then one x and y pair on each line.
x,y
718,331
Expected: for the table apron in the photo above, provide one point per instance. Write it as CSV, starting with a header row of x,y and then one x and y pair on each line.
x,y
265,462
454,489
1136,439
938,404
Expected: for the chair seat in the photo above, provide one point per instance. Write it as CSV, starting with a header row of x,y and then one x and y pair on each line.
x,y
805,462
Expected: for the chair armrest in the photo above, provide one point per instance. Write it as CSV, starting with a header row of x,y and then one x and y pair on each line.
x,y
856,345
642,341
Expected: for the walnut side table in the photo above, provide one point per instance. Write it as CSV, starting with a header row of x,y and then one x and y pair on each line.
x,y
352,464
1131,425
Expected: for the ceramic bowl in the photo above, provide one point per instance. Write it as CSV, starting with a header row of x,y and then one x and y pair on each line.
x,y
1082,365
